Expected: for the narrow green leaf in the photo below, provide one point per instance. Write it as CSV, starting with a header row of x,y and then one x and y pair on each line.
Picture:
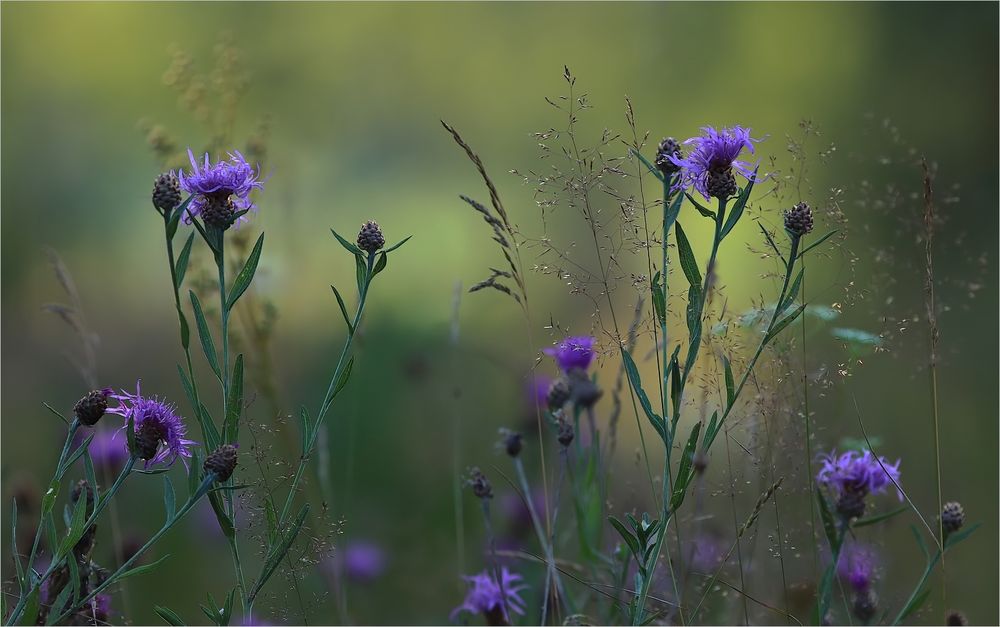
x,y
21,581
793,292
207,345
227,609
208,428
817,243
170,227
225,522
304,428
234,403
633,376
245,277
278,552
913,605
361,273
144,568
29,616
659,300
672,211
693,310
76,527
397,245
272,522
342,381
91,474
958,536
76,454
646,163
730,382
169,498
703,210
185,329
59,605
632,541
49,499
351,248
168,615
741,204
770,242
58,415
688,263
343,309
829,524
180,269
193,480
383,260
710,431
212,616
684,472
787,320
871,520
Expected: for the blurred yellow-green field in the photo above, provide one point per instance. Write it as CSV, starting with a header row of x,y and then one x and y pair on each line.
x,y
343,102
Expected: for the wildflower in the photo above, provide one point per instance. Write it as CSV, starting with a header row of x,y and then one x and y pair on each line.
x,y
857,566
799,220
573,352
511,442
362,561
709,167
491,599
952,517
222,462
583,391
166,191
92,407
666,152
159,431
370,237
558,394
851,476
954,617
480,484
221,190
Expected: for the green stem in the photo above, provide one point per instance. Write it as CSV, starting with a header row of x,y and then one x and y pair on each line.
x,y
536,522
920,584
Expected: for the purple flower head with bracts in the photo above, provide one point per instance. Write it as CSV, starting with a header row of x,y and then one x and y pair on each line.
x,y
857,565
708,167
220,183
159,431
485,596
573,352
858,473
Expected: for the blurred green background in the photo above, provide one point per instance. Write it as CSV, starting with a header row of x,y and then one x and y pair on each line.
x,y
353,95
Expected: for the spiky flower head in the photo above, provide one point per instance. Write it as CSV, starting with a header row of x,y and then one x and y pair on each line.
x,y
954,617
166,191
222,462
582,388
159,430
488,597
511,442
857,565
558,393
480,484
221,190
573,352
713,158
952,517
851,476
370,238
668,150
92,407
799,219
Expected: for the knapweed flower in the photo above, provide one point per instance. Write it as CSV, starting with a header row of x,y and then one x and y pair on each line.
x,y
362,561
853,475
558,394
479,483
952,517
573,352
666,153
857,566
370,237
222,462
799,219
159,431
486,597
220,190
713,157
92,407
511,442
166,191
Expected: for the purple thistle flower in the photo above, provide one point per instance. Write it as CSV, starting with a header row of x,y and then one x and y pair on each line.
x,y
713,156
857,472
857,565
573,352
484,595
152,416
222,181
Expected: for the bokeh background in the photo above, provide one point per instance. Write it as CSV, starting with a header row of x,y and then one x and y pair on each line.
x,y
351,96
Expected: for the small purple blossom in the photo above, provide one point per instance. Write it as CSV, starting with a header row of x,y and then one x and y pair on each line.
x,y
573,352
714,152
485,597
107,452
152,415
858,472
363,561
224,180
857,565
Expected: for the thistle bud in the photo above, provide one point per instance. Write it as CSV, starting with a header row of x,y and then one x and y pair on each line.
x,y
480,484
952,517
218,211
512,442
564,432
583,391
166,191
954,617
558,394
91,408
721,183
799,220
668,148
222,462
370,238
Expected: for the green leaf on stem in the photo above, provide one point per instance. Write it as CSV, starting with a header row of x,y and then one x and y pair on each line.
x,y
144,568
245,277
684,469
673,210
647,407
180,269
702,209
29,616
58,415
225,522
659,300
343,309
730,381
169,616
272,522
13,544
304,428
361,270
227,608
913,605
49,499
380,264
793,292
645,162
169,498
693,311
76,527
871,520
787,320
711,431
342,381
234,403
277,552
351,248
77,453
688,263
829,524
396,245
631,540
770,242
954,538
207,345
817,243
193,480
741,204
